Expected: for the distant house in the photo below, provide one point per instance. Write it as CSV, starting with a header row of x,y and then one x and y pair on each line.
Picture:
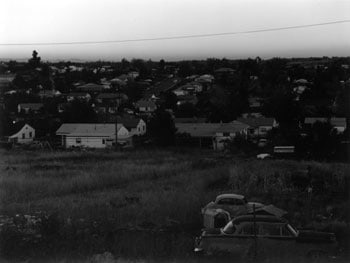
x,y
43,94
135,126
192,99
146,106
21,133
213,135
189,120
258,127
6,80
111,98
91,88
30,107
82,96
227,131
339,124
92,135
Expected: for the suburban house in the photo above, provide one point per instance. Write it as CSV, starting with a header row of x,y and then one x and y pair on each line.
x,y
93,135
227,131
29,107
146,106
111,98
258,127
339,124
135,126
213,135
21,133
91,88
43,94
82,96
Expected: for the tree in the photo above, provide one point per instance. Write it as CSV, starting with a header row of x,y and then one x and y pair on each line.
x,y
81,112
186,110
34,62
162,128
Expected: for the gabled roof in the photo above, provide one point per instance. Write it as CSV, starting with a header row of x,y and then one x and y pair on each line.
x,y
32,106
145,103
257,122
336,122
224,70
111,96
129,122
88,129
189,120
15,127
232,127
91,87
197,129
78,94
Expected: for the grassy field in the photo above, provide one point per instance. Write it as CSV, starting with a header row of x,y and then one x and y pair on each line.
x,y
164,187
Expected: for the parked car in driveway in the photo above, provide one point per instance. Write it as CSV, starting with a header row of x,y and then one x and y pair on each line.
x,y
265,236
233,203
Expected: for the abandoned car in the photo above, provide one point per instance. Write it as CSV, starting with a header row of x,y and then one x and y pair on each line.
x,y
234,204
264,236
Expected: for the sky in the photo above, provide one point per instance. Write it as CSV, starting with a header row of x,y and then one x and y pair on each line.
x,y
43,21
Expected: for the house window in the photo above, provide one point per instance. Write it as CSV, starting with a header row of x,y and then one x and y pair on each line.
x,y
30,134
103,141
263,130
78,140
23,135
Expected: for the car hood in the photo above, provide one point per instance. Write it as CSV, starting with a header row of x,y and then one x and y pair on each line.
x,y
315,236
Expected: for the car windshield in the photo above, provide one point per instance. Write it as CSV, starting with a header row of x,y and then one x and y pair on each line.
x,y
230,201
229,228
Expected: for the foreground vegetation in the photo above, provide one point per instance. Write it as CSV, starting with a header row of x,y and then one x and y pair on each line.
x,y
161,189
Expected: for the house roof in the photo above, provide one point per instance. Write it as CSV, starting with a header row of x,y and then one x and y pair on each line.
x,y
111,96
91,87
129,122
189,120
14,128
257,122
232,127
337,122
145,103
197,129
32,106
88,129
78,94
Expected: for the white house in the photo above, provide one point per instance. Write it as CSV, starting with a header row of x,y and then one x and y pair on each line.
x,y
21,133
135,126
259,126
146,106
93,135
227,131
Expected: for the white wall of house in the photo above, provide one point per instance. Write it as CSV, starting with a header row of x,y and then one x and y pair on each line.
x,y
140,128
25,135
92,141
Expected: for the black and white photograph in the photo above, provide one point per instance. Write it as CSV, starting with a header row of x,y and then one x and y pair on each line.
x,y
174,131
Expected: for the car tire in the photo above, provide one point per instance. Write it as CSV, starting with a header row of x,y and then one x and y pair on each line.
x,y
317,256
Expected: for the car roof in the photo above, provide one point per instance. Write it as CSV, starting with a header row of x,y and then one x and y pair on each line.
x,y
258,218
233,196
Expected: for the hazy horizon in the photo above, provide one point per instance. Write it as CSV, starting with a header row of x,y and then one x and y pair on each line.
x,y
39,21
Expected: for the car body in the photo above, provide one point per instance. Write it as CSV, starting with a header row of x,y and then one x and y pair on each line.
x,y
234,204
264,236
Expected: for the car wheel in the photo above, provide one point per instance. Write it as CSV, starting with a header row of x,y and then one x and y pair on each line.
x,y
317,256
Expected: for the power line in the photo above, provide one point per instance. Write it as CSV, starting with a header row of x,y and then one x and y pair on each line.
x,y
176,37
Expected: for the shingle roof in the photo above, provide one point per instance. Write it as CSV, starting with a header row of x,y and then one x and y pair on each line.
x,y
337,122
257,122
32,106
209,129
91,87
111,96
232,127
145,103
129,122
88,129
